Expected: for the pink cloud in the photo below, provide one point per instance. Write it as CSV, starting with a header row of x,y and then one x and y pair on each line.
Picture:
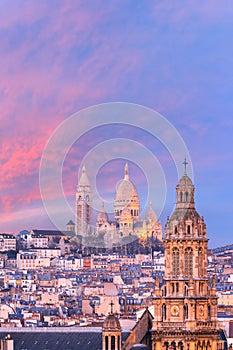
x,y
59,58
206,11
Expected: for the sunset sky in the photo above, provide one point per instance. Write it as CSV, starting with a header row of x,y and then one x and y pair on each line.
x,y
59,57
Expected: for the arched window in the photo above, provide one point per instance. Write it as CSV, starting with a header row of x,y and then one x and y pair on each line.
x,y
173,345
176,229
188,229
175,262
106,342
87,198
186,195
188,262
200,262
209,311
164,312
185,311
181,196
200,287
113,342
180,345
118,342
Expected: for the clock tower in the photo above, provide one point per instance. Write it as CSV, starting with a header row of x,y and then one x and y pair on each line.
x,y
185,307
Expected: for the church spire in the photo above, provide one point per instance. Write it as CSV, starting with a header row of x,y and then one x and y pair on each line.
x,y
84,181
151,216
126,177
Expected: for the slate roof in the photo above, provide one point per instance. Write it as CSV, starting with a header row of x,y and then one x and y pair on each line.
x,y
70,223
70,340
48,232
224,338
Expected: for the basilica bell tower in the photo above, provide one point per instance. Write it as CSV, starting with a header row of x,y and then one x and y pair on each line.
x,y
84,210
185,306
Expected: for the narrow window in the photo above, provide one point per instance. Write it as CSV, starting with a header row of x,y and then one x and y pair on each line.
x,y
185,311
113,342
209,311
181,196
188,262
175,262
164,312
106,342
173,345
200,262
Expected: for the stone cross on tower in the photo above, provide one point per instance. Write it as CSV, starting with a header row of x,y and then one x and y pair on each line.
x,y
111,304
185,166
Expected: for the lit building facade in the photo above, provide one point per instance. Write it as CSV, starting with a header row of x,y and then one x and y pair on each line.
x,y
185,307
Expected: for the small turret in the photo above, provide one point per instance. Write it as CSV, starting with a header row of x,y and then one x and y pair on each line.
x,y
111,332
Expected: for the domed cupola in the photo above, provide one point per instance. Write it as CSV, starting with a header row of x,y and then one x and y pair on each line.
x,y
185,191
111,323
126,196
185,220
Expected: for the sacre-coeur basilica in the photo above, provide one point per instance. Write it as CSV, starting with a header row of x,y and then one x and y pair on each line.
x,y
126,221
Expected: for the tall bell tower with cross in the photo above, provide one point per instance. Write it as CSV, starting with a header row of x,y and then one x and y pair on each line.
x,y
185,308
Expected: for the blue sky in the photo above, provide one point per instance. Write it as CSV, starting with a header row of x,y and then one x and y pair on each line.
x,y
173,57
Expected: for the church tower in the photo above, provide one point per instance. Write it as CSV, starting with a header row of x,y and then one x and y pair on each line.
x,y
102,217
84,210
185,307
154,227
111,332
